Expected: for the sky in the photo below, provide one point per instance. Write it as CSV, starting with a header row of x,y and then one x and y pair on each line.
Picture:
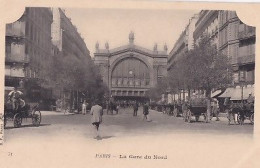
x,y
114,25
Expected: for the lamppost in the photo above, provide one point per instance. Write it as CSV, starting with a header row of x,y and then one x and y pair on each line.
x,y
108,75
242,84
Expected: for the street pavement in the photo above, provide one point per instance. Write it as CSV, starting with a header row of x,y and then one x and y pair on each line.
x,y
123,124
66,140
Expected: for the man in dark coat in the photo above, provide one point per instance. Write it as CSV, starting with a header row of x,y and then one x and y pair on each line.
x,y
145,110
135,106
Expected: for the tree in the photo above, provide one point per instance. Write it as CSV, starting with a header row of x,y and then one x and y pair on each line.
x,y
155,93
204,68
72,73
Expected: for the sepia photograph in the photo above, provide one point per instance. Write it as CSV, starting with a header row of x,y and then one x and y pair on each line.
x,y
103,75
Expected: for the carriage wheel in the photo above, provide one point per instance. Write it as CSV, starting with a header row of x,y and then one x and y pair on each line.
x,y
17,120
197,118
252,118
36,118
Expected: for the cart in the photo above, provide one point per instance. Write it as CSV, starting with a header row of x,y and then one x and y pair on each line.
x,y
197,108
246,112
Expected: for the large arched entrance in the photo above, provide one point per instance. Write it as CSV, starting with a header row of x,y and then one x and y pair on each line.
x,y
130,71
130,78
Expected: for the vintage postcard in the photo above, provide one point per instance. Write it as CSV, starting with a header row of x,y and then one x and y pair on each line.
x,y
129,84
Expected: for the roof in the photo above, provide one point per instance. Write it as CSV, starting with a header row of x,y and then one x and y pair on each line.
x,y
134,48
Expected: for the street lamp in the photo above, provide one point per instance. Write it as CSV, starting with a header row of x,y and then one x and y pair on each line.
x,y
108,73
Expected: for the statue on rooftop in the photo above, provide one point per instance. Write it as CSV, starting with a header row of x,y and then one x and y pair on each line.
x,y
97,46
131,37
155,47
107,45
165,47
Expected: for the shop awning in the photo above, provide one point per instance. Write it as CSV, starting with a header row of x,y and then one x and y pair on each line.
x,y
236,93
216,93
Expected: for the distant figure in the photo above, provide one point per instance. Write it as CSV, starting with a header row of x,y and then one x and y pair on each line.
x,y
135,106
185,108
84,107
21,83
250,102
96,112
250,99
145,111
215,108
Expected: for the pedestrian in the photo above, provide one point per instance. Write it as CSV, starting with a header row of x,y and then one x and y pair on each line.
x,y
97,113
135,106
185,110
208,102
250,102
215,109
84,107
146,112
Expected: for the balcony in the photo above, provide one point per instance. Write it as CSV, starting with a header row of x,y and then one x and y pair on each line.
x,y
16,29
248,59
15,59
246,32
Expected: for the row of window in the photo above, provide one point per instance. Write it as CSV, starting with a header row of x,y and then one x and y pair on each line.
x,y
29,73
244,76
130,82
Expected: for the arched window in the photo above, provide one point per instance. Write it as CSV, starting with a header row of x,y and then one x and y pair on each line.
x,y
130,72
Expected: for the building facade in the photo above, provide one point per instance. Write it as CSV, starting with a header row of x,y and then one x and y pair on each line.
x,y
237,41
32,42
207,25
66,37
130,70
69,43
184,43
230,36
28,51
233,38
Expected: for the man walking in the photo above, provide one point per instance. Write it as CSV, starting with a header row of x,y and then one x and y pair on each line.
x,y
146,112
135,106
96,112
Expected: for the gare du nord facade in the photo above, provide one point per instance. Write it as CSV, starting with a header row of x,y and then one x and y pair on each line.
x,y
130,71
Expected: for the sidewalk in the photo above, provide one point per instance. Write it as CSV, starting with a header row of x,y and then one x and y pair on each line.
x,y
45,113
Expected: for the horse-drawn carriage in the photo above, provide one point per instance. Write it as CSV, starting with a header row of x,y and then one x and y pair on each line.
x,y
242,110
21,111
17,116
197,107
